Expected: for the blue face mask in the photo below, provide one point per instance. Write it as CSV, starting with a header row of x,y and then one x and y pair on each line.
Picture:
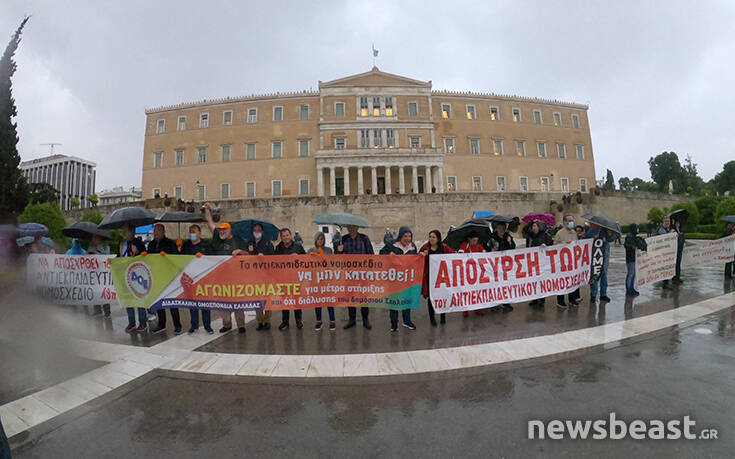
x,y
570,225
193,236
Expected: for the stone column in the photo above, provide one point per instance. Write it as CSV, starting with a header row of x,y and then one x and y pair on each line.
x,y
332,181
401,180
427,180
388,185
320,180
415,179
346,176
440,179
375,180
360,187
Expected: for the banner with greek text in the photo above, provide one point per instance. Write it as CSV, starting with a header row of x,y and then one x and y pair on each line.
x,y
286,282
138,280
71,279
467,281
658,262
718,251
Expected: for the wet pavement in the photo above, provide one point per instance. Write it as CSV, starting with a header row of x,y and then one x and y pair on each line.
x,y
688,371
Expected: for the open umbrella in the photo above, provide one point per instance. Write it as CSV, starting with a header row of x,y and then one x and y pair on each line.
x,y
604,222
549,219
341,219
32,229
728,218
458,235
135,216
679,214
244,229
482,213
180,217
84,230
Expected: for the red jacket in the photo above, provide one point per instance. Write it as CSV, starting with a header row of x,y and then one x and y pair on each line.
x,y
425,285
467,248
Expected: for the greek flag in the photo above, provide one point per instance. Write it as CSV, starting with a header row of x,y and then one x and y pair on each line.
x,y
375,52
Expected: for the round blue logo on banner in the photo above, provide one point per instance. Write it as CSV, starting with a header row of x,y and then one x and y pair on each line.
x,y
139,279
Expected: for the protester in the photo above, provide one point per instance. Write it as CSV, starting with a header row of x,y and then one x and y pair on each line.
x,y
579,229
432,247
298,239
320,249
76,248
260,246
539,237
503,241
680,240
97,246
632,242
194,245
565,235
470,245
729,266
42,244
131,246
667,228
287,246
402,246
225,243
596,231
162,244
356,243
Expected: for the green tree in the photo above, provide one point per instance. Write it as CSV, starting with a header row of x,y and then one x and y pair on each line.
x,y
43,192
625,184
692,220
706,206
655,217
46,213
642,185
725,180
691,181
13,187
609,181
666,168
93,199
92,215
75,202
725,207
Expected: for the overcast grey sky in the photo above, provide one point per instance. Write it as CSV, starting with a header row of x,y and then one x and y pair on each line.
x,y
658,76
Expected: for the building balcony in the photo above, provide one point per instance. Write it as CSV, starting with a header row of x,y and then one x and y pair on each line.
x,y
385,152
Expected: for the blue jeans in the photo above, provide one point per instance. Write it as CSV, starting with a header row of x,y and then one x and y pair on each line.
x,y
318,312
602,283
406,313
630,277
206,318
142,316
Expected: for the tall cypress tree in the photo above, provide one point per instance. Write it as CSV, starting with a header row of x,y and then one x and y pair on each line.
x,y
13,187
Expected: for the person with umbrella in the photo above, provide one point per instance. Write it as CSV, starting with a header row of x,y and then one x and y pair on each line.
x,y
320,248
680,241
288,246
432,247
403,246
596,231
667,228
195,245
565,235
162,244
502,240
260,245
632,242
472,243
131,246
97,245
225,243
472,240
539,237
356,243
729,231
76,248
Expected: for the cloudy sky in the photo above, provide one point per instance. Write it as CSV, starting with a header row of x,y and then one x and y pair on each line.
x,y
658,76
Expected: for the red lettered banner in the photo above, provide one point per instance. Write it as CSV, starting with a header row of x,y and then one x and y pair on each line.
x,y
467,281
295,282
71,279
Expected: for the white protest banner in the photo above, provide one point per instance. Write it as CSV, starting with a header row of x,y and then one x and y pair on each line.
x,y
658,262
71,279
467,281
718,251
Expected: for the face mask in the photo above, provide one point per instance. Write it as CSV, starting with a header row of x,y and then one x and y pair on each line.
x,y
257,235
570,225
193,236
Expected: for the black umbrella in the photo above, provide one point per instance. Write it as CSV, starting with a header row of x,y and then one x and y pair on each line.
x,y
458,235
180,217
679,214
134,216
603,221
85,230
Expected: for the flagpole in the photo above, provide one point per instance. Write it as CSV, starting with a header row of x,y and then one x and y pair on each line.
x,y
373,54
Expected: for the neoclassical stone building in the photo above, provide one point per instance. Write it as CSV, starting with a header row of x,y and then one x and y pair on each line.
x,y
369,133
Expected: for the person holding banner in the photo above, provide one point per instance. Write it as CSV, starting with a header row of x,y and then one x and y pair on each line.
x,y
632,242
680,240
539,237
432,247
131,246
666,228
225,243
402,246
288,247
320,249
260,246
97,246
565,235
503,241
356,243
728,266
196,246
162,244
600,286
470,245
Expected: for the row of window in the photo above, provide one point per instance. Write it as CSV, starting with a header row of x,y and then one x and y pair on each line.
x,y
516,115
500,183
227,117
520,147
250,190
277,151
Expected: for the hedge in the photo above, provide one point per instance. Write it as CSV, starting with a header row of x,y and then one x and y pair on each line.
x,y
712,228
701,236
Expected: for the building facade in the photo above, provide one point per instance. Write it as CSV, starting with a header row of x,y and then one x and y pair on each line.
x,y
368,133
72,177
119,195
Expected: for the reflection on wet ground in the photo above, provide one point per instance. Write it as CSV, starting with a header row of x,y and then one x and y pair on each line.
x,y
682,372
